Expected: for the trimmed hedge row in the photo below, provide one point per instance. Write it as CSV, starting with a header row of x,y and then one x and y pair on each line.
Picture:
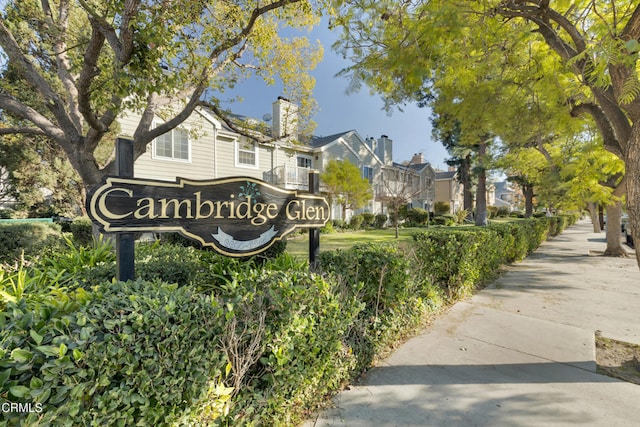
x,y
28,238
230,342
457,259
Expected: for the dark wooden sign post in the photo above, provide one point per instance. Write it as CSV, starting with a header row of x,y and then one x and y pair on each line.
x,y
314,233
236,216
125,242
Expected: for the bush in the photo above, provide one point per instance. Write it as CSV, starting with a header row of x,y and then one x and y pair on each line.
x,y
6,213
303,357
514,240
516,214
502,212
492,211
446,219
338,223
461,216
380,276
417,216
328,228
458,259
120,359
356,222
30,238
380,220
82,230
441,208
168,263
367,219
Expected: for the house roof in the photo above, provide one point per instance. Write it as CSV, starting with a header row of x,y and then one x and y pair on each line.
x,y
319,141
501,203
446,175
502,187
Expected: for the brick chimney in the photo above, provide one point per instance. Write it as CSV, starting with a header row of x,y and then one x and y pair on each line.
x,y
417,159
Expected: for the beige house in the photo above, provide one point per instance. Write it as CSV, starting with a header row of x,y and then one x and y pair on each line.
x,y
449,189
204,148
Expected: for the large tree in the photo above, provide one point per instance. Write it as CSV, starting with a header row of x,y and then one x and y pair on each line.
x,y
404,50
83,62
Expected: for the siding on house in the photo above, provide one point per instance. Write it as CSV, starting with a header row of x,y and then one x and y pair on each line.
x,y
215,151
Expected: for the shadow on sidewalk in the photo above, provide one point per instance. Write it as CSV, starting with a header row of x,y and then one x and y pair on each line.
x,y
512,373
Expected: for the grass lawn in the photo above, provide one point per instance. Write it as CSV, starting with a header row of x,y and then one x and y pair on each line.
x,y
299,245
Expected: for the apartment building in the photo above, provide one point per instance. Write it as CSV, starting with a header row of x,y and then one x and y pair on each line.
x,y
203,147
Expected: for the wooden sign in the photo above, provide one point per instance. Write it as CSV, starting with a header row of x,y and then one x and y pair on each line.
x,y
237,216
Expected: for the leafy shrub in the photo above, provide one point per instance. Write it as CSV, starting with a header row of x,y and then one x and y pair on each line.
x,y
492,211
380,220
82,230
502,212
302,356
441,208
29,238
460,216
514,240
356,221
367,219
446,219
6,213
380,276
328,228
120,359
516,214
338,223
418,216
458,259
169,263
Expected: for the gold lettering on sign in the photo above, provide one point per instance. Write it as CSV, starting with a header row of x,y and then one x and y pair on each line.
x,y
145,208
102,206
164,204
200,204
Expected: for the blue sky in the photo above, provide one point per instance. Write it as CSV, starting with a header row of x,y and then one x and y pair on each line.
x,y
410,129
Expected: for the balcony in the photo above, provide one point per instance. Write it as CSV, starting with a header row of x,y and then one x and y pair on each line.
x,y
289,177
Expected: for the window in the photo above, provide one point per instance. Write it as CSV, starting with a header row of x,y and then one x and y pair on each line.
x,y
304,162
246,154
367,173
172,145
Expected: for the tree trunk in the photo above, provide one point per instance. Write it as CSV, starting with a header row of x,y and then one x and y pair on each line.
x,y
481,194
632,165
593,214
614,241
527,191
465,177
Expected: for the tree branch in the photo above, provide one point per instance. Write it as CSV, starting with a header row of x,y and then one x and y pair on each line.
x,y
29,114
611,143
22,130
59,32
31,74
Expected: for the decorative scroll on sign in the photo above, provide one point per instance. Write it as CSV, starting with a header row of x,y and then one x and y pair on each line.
x,y
237,216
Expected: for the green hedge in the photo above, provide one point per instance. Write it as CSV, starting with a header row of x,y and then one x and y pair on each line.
x,y
395,299
121,358
231,342
28,238
303,354
457,259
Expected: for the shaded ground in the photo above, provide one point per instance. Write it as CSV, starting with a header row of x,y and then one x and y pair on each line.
x,y
618,359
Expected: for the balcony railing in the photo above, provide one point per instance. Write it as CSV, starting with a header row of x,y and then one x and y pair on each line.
x,y
290,177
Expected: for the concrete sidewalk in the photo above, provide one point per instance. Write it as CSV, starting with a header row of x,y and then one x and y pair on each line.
x,y
519,353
